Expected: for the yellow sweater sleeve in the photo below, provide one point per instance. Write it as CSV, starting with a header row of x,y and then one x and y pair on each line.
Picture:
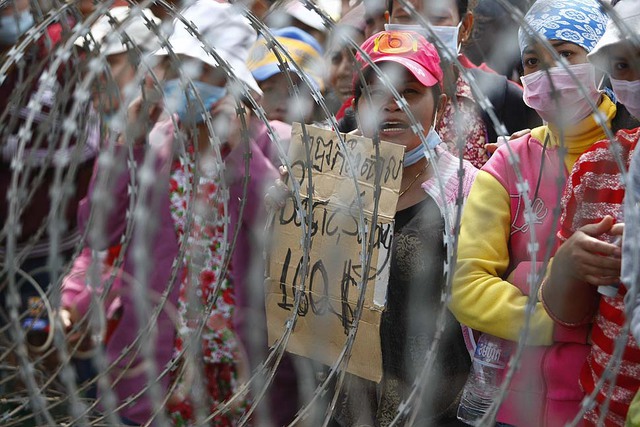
x,y
481,299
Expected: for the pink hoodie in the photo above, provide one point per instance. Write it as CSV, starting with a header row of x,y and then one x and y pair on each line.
x,y
163,246
545,389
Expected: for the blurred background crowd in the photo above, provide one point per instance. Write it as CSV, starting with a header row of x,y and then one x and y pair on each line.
x,y
144,153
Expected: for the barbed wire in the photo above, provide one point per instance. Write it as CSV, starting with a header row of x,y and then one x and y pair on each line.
x,y
51,109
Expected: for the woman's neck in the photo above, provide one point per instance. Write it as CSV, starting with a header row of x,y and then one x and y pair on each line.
x,y
411,192
409,172
578,138
576,131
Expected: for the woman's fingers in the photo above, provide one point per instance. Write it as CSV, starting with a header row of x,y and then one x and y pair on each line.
x,y
597,261
277,195
596,250
493,146
589,259
284,173
582,271
591,270
144,112
519,134
598,228
65,318
595,246
227,120
617,229
601,281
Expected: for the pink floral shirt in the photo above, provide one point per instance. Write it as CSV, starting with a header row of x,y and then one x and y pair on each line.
x,y
203,263
203,260
464,121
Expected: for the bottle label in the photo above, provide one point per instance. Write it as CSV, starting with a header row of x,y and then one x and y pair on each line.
x,y
490,354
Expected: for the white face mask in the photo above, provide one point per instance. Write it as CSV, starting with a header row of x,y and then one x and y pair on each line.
x,y
561,103
628,93
449,38
416,154
12,26
447,35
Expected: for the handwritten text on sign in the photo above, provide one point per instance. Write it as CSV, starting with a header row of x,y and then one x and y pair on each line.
x,y
335,269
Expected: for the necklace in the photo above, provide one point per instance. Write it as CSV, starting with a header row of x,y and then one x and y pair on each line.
x,y
414,180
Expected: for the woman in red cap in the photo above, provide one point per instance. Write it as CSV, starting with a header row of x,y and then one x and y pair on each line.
x,y
424,215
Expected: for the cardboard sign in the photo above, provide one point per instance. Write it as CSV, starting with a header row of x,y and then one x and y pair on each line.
x,y
335,264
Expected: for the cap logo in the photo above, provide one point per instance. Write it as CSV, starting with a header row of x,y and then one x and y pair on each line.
x,y
395,43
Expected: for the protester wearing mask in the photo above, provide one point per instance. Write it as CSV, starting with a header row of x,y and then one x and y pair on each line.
x,y
491,287
584,284
177,223
121,56
282,107
416,281
122,59
15,20
465,123
224,338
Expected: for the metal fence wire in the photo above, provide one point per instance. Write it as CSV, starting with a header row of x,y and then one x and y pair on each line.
x,y
133,289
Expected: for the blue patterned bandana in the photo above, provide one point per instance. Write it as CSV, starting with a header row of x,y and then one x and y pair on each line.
x,y
581,22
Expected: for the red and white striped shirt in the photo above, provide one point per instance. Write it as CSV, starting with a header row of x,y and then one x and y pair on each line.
x,y
594,190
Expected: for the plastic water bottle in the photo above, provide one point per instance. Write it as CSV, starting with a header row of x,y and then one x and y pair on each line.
x,y
489,365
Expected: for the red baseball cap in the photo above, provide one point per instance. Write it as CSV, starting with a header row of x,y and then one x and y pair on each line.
x,y
407,48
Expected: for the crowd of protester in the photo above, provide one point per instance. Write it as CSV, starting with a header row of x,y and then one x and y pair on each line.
x,y
174,162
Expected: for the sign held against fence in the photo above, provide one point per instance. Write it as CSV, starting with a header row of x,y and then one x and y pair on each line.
x,y
336,263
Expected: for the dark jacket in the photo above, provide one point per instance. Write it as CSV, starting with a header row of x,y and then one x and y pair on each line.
x,y
506,99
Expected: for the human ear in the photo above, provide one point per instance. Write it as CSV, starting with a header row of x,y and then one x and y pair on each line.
x,y
466,28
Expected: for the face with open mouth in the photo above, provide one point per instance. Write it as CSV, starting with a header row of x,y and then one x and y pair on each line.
x,y
380,113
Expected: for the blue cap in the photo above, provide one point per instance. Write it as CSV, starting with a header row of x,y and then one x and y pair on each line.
x,y
300,45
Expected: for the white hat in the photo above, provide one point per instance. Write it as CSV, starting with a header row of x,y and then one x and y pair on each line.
x,y
308,17
629,13
106,32
223,29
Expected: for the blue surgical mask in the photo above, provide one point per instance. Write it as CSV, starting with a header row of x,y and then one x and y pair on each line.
x,y
414,155
107,118
447,35
12,26
176,99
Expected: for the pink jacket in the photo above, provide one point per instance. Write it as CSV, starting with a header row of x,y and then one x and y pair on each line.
x,y
545,389
248,254
163,246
